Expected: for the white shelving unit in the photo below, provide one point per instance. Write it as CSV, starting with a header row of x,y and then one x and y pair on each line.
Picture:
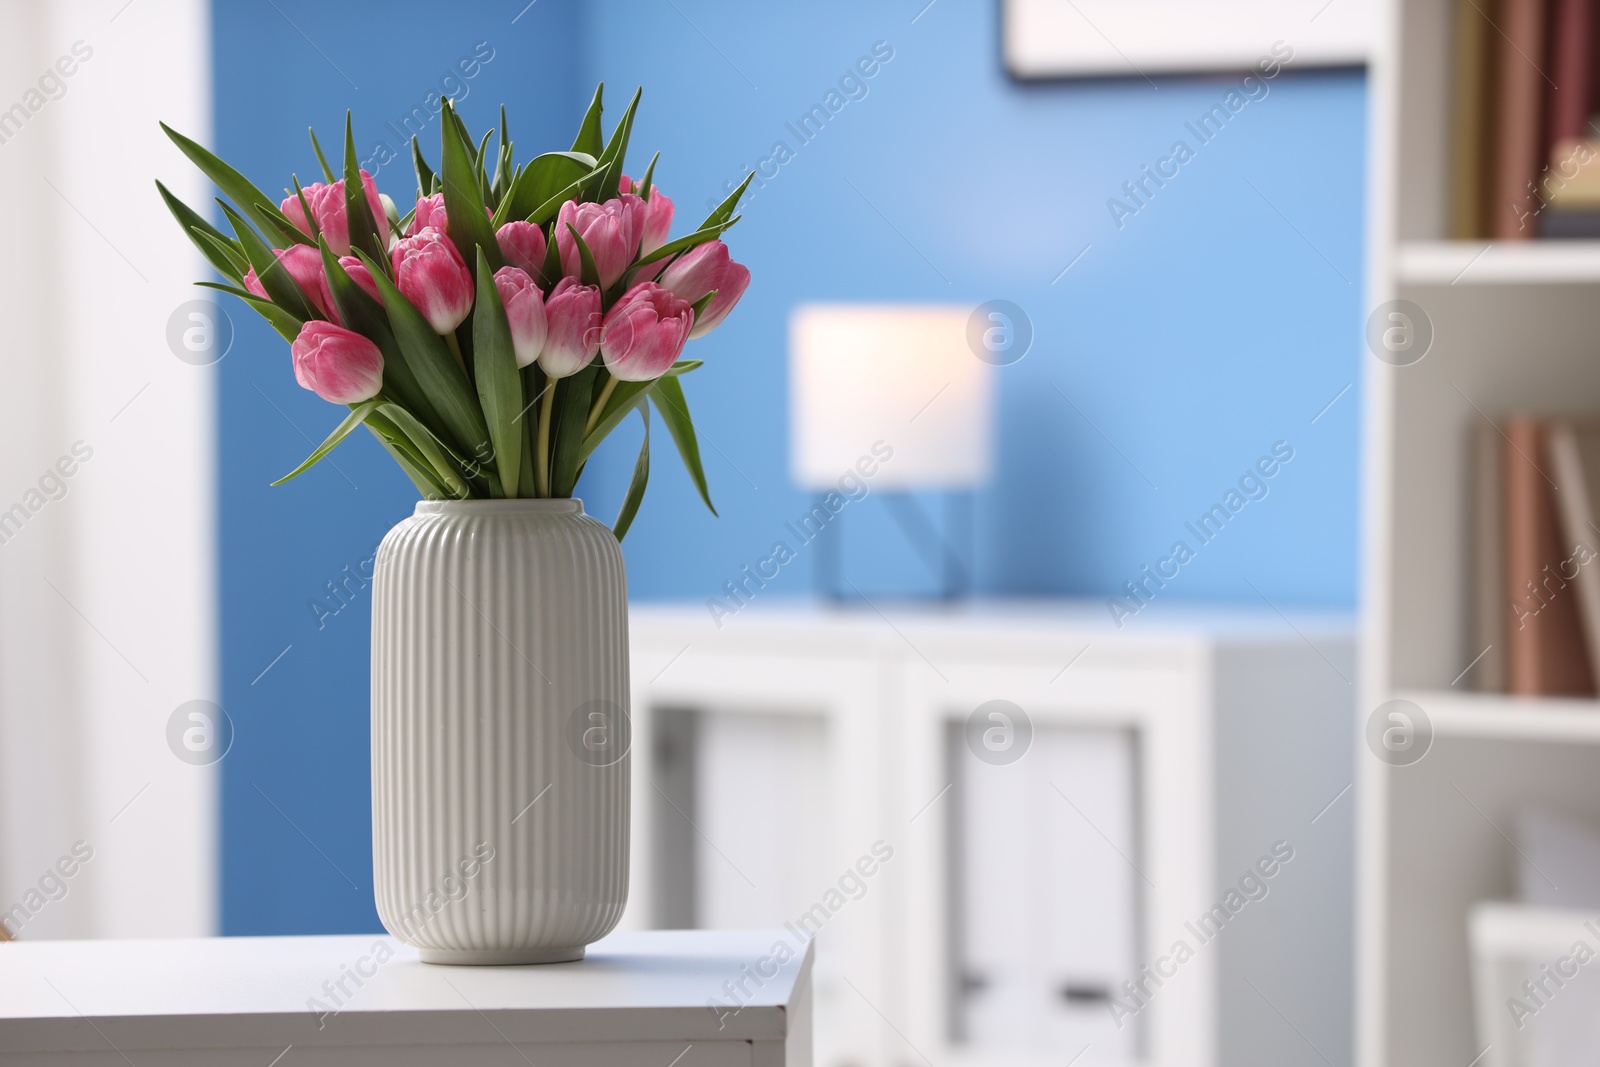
x,y
1514,327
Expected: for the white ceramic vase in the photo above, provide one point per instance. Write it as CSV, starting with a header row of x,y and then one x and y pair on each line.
x,y
499,731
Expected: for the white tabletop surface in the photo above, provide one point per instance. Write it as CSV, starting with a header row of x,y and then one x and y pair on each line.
x,y
192,993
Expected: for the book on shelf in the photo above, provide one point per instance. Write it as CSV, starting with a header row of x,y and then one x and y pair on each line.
x,y
1488,559
1525,122
1471,124
1571,190
1577,224
1568,92
1536,557
1518,109
1575,458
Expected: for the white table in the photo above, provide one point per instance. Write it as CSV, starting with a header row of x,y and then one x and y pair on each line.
x,y
638,1000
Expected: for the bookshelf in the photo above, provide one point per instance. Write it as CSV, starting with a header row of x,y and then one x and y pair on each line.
x,y
1515,327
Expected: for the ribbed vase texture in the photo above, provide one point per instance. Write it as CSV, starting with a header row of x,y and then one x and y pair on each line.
x,y
499,731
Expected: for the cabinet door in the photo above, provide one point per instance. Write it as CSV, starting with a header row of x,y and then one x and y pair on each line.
x,y
1043,879
1045,896
765,787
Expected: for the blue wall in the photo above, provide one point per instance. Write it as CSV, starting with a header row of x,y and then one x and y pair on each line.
x,y
296,824
1194,337
1220,318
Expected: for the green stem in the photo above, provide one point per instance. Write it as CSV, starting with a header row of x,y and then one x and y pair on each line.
x,y
599,405
455,349
541,468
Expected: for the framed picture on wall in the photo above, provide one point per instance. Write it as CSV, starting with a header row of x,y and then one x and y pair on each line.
x,y
1142,38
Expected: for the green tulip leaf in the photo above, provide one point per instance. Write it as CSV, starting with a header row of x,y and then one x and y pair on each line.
x,y
647,182
225,254
363,227
358,414
552,204
590,140
699,306
461,129
669,400
427,180
572,411
252,201
686,242
503,163
534,383
641,476
504,174
287,325
494,365
470,228
609,165
590,273
545,176
446,466
234,290
322,160
723,212
624,398
407,456
552,271
305,208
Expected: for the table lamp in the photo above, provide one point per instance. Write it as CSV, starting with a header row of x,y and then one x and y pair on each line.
x,y
895,390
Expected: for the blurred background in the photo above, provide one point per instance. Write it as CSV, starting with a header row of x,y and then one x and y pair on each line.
x,y
1156,243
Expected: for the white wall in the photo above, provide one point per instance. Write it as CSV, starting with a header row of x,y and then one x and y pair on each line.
x,y
107,613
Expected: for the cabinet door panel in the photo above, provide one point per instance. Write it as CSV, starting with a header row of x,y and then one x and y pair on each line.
x,y
1046,893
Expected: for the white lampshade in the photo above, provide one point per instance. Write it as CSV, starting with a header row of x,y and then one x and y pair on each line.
x,y
903,375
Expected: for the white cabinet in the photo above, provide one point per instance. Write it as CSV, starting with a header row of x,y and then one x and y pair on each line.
x,y
820,771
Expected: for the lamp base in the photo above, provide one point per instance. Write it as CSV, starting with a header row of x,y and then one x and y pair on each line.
x,y
945,559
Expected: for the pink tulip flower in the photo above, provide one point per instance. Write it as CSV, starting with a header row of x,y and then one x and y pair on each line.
x,y
523,245
573,328
304,265
361,276
644,332
253,283
430,212
337,364
657,216
431,274
699,271
328,208
611,230
524,305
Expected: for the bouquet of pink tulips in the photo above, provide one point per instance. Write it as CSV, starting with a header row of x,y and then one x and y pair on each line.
x,y
463,335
